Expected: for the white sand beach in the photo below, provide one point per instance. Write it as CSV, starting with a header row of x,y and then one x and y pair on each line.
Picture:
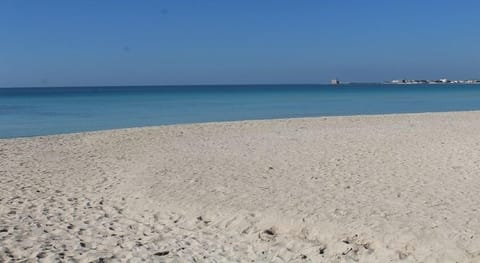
x,y
394,188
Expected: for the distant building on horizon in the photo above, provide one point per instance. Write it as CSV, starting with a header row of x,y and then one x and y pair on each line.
x,y
335,82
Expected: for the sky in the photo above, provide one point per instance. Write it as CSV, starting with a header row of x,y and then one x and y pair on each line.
x,y
115,42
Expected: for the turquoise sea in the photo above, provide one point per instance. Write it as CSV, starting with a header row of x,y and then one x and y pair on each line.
x,y
45,111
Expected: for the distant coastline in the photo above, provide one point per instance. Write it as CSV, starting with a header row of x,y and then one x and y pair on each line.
x,y
435,82
336,82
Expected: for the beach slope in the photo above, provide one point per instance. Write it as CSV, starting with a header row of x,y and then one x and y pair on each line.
x,y
340,189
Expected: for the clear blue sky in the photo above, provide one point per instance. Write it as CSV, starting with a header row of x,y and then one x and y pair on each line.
x,y
91,42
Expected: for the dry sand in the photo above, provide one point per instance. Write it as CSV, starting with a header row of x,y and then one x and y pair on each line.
x,y
341,189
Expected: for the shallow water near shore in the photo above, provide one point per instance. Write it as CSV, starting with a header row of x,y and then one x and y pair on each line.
x,y
46,111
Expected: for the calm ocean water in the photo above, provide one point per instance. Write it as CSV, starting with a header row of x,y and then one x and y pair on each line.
x,y
44,111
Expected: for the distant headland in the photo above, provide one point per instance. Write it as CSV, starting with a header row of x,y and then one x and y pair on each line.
x,y
438,81
412,81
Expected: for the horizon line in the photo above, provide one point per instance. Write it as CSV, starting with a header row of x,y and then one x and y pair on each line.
x,y
183,85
